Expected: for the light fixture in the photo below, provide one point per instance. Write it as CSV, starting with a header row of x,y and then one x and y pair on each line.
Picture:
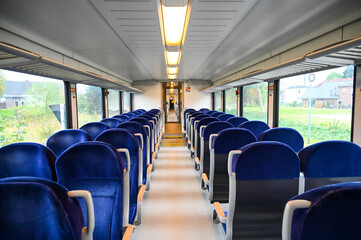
x,y
172,76
172,70
172,58
173,20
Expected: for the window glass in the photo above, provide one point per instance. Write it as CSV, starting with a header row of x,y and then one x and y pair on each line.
x,y
113,103
32,108
255,98
126,102
89,100
231,101
318,105
218,101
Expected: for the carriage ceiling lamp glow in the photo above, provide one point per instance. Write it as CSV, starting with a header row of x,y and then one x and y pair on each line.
x,y
172,70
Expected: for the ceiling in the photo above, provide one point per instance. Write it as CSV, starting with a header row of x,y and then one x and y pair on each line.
x,y
123,37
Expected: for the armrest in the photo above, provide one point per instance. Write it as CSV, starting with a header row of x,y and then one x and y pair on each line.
x,y
211,137
157,146
290,207
126,151
189,141
197,160
205,178
192,149
154,155
149,168
128,233
222,217
140,136
141,193
87,232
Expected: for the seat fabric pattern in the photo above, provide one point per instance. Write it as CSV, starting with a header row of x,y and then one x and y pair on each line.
x,y
94,128
111,122
225,117
122,118
256,127
236,121
288,136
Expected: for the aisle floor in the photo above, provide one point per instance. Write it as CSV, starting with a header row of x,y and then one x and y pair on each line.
x,y
175,207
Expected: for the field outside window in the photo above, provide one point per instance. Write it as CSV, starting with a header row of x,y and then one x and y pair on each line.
x,y
89,100
255,101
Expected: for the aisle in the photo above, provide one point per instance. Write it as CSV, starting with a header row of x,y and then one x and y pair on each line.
x,y
175,207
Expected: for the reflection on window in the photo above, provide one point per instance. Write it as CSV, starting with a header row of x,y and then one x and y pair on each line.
x,y
255,101
218,101
113,103
31,107
231,101
89,100
320,102
126,102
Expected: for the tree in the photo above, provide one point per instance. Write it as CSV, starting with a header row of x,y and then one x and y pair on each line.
x,y
348,72
2,80
334,75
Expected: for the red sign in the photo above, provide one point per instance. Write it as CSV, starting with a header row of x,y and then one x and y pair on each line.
x,y
188,89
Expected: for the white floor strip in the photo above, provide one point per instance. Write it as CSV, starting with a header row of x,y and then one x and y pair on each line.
x,y
175,207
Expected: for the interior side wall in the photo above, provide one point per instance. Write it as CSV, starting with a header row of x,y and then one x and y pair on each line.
x,y
151,98
196,99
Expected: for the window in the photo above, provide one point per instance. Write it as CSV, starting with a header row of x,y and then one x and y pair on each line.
x,y
126,102
255,98
42,115
113,103
231,101
218,101
324,98
89,100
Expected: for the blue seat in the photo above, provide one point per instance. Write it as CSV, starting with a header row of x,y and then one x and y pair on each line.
x,y
62,140
111,122
256,127
129,114
94,128
288,136
192,124
122,118
153,124
210,112
98,168
328,212
27,159
263,176
211,128
216,114
222,143
148,126
187,111
121,139
34,208
236,121
204,110
141,111
330,162
188,123
139,131
225,117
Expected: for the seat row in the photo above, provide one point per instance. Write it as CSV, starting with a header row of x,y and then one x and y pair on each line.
x,y
257,179
110,169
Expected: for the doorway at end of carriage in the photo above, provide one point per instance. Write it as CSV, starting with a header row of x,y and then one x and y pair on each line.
x,y
172,101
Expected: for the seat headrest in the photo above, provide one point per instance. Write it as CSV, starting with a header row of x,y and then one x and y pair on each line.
x,y
189,110
111,122
213,128
204,110
27,159
210,112
232,139
216,114
256,127
134,127
224,117
33,208
141,120
266,161
122,118
90,160
236,121
199,117
62,140
288,136
331,159
94,128
120,138
205,121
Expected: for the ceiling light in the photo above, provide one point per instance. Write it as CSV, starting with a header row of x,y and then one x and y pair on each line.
x,y
173,20
172,58
172,76
172,70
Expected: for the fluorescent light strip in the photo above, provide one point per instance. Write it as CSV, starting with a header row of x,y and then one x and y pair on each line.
x,y
173,20
172,58
172,70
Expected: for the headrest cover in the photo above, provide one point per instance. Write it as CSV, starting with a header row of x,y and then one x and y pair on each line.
x,y
120,138
111,122
34,208
288,136
232,139
213,128
224,117
266,161
256,127
94,160
205,121
331,159
236,121
94,128
27,159
62,140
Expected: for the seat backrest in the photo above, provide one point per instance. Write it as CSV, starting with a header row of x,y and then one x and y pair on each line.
x,y
224,117
330,162
129,114
141,110
121,138
27,159
236,121
94,128
97,168
227,140
263,177
210,112
204,110
33,208
216,114
203,122
111,122
62,140
288,136
334,213
189,110
122,118
256,127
